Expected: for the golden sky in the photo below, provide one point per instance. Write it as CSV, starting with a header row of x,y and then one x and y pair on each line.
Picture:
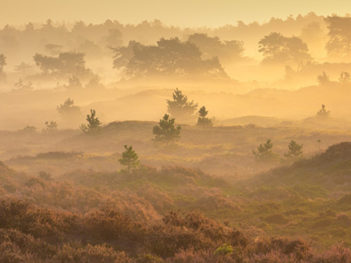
x,y
175,12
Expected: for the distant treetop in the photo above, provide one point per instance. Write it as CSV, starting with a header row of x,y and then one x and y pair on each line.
x,y
65,64
180,107
169,57
226,51
339,43
279,49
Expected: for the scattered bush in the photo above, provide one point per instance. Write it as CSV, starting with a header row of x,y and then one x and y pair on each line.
x,y
166,131
129,158
94,124
180,108
264,152
295,150
203,121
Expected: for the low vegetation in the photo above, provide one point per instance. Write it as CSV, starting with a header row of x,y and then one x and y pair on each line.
x,y
166,131
178,215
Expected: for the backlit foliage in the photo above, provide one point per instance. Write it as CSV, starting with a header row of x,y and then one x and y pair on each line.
x,y
180,107
93,126
166,131
129,158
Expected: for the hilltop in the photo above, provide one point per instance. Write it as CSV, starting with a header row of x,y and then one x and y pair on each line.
x,y
330,169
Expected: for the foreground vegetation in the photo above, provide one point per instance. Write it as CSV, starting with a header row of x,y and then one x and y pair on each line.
x,y
179,215
31,234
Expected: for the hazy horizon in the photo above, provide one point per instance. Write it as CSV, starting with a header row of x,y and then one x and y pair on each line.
x,y
208,13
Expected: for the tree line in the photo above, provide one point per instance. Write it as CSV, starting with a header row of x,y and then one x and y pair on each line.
x,y
199,54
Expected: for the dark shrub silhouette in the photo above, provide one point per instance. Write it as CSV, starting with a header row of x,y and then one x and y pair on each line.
x,y
166,131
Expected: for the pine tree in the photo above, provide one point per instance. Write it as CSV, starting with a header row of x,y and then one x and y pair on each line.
x,y
180,107
264,151
129,158
295,150
166,131
203,120
94,124
68,109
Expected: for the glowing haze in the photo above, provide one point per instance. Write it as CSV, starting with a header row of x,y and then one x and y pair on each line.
x,y
180,12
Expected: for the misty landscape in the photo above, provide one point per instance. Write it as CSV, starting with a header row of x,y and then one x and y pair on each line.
x,y
152,142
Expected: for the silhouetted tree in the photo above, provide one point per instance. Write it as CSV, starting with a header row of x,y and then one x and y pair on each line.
x,y
168,58
180,107
68,109
166,131
323,112
203,120
124,55
264,151
94,124
226,51
129,158
295,150
47,64
277,48
339,44
65,64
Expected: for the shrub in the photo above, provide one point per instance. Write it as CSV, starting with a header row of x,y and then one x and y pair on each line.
x,y
224,249
166,131
203,121
129,158
264,152
180,107
295,150
94,124
68,109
